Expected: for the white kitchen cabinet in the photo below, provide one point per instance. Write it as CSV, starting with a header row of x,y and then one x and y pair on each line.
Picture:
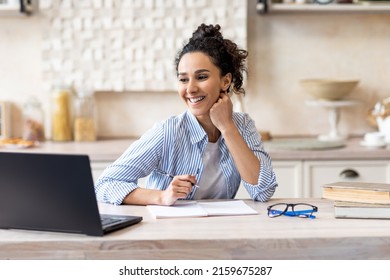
x,y
289,177
97,168
304,178
318,173
288,174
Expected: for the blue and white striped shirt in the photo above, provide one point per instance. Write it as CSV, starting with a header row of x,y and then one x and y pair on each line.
x,y
175,146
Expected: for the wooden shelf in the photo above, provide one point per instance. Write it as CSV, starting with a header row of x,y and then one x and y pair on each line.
x,y
367,8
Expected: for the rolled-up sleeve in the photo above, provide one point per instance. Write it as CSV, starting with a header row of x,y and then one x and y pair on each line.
x,y
266,185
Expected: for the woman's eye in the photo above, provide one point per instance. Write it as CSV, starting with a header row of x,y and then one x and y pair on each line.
x,y
183,80
202,77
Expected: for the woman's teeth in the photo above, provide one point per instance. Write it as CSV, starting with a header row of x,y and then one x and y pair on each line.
x,y
196,99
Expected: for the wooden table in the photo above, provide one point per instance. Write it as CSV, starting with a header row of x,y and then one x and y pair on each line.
x,y
228,237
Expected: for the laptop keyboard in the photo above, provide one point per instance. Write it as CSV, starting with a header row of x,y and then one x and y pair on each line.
x,y
106,221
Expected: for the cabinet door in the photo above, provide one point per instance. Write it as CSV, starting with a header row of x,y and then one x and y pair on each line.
x,y
98,168
289,177
318,173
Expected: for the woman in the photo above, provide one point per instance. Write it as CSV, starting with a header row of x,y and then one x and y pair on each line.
x,y
207,151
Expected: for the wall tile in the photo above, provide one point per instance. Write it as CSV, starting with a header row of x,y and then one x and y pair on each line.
x,y
110,36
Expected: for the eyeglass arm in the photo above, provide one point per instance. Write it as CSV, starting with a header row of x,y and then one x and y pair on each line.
x,y
307,213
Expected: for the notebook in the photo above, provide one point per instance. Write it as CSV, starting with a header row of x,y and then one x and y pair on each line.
x,y
186,208
52,192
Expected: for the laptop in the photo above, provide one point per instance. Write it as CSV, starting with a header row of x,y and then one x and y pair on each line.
x,y
52,192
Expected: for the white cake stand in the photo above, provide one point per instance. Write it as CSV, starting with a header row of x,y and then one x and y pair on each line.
x,y
333,107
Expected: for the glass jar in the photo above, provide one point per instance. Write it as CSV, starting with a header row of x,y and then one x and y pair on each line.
x,y
33,120
84,117
62,115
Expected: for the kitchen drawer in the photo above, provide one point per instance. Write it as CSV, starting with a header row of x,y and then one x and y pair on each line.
x,y
318,173
289,177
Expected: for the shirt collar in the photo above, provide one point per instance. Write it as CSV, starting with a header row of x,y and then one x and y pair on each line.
x,y
196,131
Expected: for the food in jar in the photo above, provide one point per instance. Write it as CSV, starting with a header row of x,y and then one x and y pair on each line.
x,y
33,130
84,129
62,129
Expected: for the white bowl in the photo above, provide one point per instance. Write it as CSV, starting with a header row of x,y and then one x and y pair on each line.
x,y
328,89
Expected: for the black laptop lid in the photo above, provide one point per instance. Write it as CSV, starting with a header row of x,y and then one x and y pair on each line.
x,y
52,192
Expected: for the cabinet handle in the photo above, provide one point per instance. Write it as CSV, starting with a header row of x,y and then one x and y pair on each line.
x,y
349,174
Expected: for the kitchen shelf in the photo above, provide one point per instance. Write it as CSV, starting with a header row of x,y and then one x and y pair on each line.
x,y
360,7
18,8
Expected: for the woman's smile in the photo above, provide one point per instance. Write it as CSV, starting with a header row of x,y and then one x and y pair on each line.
x,y
197,99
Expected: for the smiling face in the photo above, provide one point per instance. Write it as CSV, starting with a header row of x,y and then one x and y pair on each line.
x,y
200,83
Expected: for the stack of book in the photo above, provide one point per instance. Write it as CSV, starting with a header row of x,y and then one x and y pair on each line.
x,y
359,200
374,2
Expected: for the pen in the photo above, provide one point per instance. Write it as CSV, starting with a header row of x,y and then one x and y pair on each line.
x,y
171,176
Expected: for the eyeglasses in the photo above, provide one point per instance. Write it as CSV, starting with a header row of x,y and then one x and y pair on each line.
x,y
301,210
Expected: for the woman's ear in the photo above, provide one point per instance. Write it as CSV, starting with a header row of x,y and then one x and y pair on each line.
x,y
227,80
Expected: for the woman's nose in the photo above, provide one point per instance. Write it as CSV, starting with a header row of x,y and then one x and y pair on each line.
x,y
191,87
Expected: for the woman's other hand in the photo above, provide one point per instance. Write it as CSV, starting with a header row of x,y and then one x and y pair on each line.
x,y
221,112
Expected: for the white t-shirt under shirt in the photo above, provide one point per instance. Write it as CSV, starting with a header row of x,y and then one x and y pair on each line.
x,y
212,183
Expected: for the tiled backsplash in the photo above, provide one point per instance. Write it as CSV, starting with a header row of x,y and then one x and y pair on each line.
x,y
129,45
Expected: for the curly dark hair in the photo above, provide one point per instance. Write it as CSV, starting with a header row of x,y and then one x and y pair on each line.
x,y
224,53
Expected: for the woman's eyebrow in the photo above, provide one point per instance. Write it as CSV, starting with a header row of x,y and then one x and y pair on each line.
x,y
196,72
201,71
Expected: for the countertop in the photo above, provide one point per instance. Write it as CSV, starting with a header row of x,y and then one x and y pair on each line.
x,y
351,150
109,150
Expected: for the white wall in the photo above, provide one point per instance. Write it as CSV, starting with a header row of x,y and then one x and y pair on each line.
x,y
20,60
291,46
283,49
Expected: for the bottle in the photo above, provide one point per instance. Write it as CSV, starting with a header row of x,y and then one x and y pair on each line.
x,y
33,120
62,115
84,117
5,120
